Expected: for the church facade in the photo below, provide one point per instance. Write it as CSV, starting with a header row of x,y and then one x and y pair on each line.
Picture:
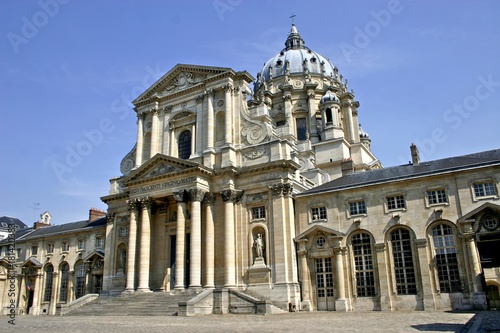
x,y
273,193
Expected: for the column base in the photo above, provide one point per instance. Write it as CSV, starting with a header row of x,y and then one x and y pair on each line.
x,y
306,306
143,290
341,304
128,292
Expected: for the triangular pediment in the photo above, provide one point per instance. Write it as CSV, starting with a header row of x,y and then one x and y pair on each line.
x,y
479,210
181,77
31,262
318,228
93,254
160,165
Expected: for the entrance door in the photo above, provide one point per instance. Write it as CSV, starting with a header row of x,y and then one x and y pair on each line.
x,y
493,297
186,260
324,284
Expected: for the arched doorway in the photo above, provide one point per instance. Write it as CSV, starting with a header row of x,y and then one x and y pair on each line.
x,y
493,297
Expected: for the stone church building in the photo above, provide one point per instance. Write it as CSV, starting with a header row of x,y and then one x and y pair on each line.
x,y
242,190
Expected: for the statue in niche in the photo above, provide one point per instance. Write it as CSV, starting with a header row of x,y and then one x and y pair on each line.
x,y
259,246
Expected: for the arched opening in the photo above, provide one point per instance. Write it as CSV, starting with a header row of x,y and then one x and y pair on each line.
x,y
63,290
184,145
49,274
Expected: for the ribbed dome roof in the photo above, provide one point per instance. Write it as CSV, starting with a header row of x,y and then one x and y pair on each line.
x,y
329,97
295,58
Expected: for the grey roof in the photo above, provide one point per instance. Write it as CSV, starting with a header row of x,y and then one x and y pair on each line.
x,y
6,220
408,171
30,233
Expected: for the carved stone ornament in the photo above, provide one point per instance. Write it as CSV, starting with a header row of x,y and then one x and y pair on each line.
x,y
183,80
209,199
255,153
160,170
196,194
231,195
127,163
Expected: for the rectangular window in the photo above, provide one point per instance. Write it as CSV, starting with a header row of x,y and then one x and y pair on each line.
x,y
446,259
357,208
81,245
406,282
258,213
123,232
396,202
485,189
50,248
363,265
301,128
99,242
65,247
34,250
437,197
318,213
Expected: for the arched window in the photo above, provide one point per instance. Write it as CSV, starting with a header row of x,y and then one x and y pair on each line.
x,y
49,274
446,258
363,264
80,279
184,145
404,267
63,291
301,128
329,116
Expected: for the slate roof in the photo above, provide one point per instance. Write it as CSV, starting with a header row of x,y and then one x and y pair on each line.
x,y
408,171
30,233
6,220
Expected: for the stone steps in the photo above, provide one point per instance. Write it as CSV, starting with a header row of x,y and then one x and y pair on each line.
x,y
139,304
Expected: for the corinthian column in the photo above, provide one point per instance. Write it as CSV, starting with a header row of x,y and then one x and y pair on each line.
x,y
180,239
132,246
195,195
140,138
229,197
154,133
145,250
210,119
209,249
229,114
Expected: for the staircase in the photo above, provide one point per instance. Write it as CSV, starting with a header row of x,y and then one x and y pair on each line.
x,y
137,304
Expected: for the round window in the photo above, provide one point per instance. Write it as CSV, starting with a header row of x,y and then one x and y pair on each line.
x,y
490,222
320,241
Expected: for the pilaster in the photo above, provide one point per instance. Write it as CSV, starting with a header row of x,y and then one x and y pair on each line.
x,y
383,273
209,248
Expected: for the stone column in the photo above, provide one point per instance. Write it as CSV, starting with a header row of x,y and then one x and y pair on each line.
x,y
145,241
210,119
180,239
209,248
427,288
383,273
313,129
349,120
229,197
166,124
199,126
71,291
154,133
109,254
229,114
304,276
55,292
35,308
341,302
281,255
140,139
132,246
195,195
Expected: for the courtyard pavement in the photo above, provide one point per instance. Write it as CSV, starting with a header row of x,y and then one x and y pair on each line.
x,y
372,322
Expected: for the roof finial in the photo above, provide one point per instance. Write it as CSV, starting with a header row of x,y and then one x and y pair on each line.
x,y
292,17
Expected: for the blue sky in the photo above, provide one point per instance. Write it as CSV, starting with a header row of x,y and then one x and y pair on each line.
x,y
424,72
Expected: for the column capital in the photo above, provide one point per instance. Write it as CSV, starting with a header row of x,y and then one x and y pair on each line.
x,y
209,93
140,116
199,98
281,189
180,196
132,205
154,111
379,247
209,199
196,194
421,242
231,195
110,218
146,202
167,109
227,87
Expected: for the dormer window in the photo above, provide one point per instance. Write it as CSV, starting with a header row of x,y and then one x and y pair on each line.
x,y
279,63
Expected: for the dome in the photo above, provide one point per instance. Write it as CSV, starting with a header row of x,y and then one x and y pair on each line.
x,y
329,97
362,133
295,58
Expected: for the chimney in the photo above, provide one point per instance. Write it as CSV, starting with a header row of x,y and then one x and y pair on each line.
x,y
415,157
347,166
95,213
44,221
